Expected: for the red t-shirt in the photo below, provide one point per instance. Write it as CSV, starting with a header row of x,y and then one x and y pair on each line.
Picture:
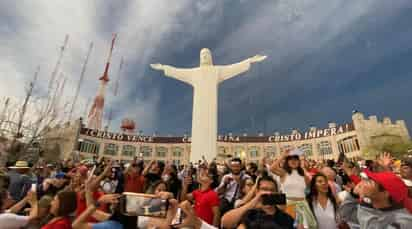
x,y
63,223
134,183
82,205
204,202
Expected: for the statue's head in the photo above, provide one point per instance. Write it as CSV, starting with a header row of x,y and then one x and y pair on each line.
x,y
205,57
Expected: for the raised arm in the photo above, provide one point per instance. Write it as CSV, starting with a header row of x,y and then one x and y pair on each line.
x,y
229,71
181,74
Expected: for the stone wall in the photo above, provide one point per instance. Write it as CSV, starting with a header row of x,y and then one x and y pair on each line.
x,y
371,131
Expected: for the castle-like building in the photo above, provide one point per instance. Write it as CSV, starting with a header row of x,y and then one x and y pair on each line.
x,y
352,139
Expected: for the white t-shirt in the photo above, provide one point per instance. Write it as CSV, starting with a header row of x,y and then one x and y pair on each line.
x,y
13,221
325,217
293,185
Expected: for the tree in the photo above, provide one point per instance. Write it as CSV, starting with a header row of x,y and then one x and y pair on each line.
x,y
397,149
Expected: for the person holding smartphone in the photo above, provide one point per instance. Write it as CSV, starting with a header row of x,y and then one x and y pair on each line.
x,y
262,207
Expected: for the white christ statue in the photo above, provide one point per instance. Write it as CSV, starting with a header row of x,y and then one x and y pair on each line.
x,y
205,80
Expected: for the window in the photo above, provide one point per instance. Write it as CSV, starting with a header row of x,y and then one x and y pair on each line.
x,y
161,151
270,151
239,152
285,148
325,148
307,149
129,150
176,162
349,144
111,149
222,151
89,146
146,151
253,151
177,151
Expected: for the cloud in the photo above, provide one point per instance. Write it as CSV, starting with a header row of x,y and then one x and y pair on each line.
x,y
33,31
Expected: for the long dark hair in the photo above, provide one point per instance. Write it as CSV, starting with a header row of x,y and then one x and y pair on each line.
x,y
313,194
67,203
289,170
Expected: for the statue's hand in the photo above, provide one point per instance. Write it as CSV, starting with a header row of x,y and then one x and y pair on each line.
x,y
257,58
157,66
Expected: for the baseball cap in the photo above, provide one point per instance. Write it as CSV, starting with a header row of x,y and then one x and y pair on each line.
x,y
393,185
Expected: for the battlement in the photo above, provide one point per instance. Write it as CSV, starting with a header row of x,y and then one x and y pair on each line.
x,y
359,118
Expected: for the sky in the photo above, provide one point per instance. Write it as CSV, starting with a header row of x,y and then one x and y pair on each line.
x,y
326,58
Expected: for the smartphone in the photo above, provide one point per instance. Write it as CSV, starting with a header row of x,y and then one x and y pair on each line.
x,y
274,199
138,204
178,218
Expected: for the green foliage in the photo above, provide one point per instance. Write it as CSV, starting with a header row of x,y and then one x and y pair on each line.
x,y
397,150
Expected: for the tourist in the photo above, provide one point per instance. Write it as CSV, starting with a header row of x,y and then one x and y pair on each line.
x,y
110,182
268,213
152,173
62,206
134,181
385,202
331,175
171,178
322,202
206,199
229,187
20,181
247,187
192,220
252,170
292,177
9,219
406,173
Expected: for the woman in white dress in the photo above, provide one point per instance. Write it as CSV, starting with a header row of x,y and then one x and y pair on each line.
x,y
322,202
291,177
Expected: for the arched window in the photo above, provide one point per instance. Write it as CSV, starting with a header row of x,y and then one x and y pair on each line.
x,y
253,151
111,149
129,151
325,148
89,146
177,151
239,151
146,151
270,151
161,151
307,149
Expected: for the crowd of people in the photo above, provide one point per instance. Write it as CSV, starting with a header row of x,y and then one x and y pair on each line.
x,y
289,191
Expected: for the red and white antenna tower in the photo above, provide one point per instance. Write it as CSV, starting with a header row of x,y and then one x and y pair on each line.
x,y
76,95
96,112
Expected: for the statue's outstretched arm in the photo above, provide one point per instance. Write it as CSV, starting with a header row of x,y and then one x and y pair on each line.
x,y
181,74
229,71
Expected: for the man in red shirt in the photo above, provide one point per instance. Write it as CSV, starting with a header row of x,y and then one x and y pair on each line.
x,y
206,200
133,179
